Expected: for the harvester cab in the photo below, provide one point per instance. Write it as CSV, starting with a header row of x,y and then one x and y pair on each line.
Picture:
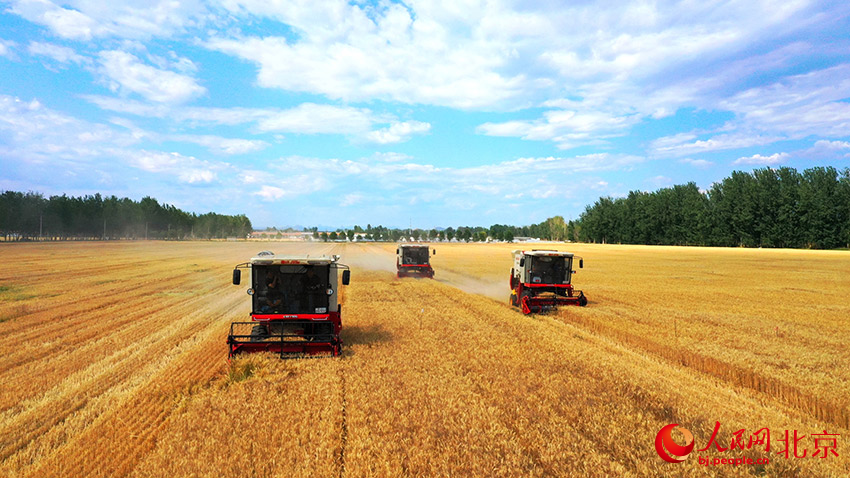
x,y
294,305
541,280
414,260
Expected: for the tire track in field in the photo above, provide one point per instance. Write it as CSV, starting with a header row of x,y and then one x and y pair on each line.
x,y
83,314
78,351
91,299
343,435
407,392
789,395
107,377
811,404
69,292
116,440
476,374
139,431
641,396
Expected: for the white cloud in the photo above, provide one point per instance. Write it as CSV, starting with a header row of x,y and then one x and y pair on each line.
x,y
295,185
198,115
187,169
311,118
568,165
32,132
158,162
126,72
193,176
665,143
125,19
548,177
252,176
221,145
356,73
681,144
351,199
600,74
502,55
354,53
64,22
271,193
6,47
124,105
216,144
398,132
566,128
306,118
172,61
811,104
798,106
59,53
571,75
758,159
390,157
698,163
825,150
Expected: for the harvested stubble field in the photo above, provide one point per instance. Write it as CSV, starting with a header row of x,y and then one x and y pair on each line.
x,y
114,364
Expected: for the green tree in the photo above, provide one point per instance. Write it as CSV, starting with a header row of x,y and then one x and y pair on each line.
x,y
821,211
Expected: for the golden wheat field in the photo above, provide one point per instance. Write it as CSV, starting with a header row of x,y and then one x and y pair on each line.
x,y
113,363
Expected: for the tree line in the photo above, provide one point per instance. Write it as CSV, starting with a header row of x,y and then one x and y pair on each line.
x,y
554,228
31,216
769,207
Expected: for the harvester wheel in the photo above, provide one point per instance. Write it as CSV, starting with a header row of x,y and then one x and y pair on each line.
x,y
513,299
582,301
258,331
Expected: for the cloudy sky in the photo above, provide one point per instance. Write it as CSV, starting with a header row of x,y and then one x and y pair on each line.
x,y
310,112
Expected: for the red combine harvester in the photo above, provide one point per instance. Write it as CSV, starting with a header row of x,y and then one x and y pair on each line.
x,y
295,308
540,281
413,260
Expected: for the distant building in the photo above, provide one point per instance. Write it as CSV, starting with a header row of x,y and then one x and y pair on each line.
x,y
525,239
282,236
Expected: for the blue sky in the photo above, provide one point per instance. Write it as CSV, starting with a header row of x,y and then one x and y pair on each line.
x,y
425,112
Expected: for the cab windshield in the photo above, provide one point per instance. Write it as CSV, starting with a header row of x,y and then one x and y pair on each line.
x,y
290,289
415,255
549,270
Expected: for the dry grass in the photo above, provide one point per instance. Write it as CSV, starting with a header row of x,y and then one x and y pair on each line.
x,y
115,365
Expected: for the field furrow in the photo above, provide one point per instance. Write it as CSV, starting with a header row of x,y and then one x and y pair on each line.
x,y
120,368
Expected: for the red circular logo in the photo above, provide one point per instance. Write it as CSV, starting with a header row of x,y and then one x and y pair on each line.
x,y
668,449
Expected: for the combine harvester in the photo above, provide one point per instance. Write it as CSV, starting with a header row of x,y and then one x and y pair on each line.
x,y
294,306
413,260
540,281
